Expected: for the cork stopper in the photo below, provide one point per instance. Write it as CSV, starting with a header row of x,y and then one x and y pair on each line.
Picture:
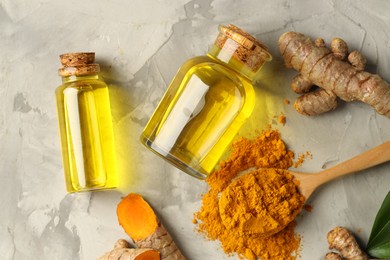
x,y
78,64
244,46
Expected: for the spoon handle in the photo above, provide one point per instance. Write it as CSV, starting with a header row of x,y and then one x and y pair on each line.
x,y
365,160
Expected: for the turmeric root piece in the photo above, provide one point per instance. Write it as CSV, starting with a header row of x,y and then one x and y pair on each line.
x,y
320,42
321,67
333,256
141,223
357,60
122,251
316,102
121,243
300,84
343,241
339,48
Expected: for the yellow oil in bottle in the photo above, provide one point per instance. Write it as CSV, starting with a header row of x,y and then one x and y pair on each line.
x,y
207,102
86,131
204,111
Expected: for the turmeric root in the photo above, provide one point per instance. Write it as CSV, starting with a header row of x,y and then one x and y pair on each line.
x,y
141,223
333,256
343,241
339,48
357,60
316,102
319,42
326,69
122,251
300,84
319,101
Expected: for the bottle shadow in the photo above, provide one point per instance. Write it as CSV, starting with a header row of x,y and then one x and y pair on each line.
x,y
126,131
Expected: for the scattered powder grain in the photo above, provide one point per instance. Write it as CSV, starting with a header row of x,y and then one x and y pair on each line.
x,y
308,208
282,119
301,158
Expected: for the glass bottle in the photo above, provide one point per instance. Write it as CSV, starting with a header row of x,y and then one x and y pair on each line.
x,y
85,124
206,103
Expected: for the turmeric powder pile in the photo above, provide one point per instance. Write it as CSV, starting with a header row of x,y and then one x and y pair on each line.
x,y
261,202
266,151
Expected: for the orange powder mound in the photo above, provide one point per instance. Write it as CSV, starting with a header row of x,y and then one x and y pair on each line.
x,y
262,202
266,151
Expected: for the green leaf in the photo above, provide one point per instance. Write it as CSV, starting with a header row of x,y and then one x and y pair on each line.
x,y
379,241
382,251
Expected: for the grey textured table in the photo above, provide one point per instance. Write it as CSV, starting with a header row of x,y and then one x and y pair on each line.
x,y
140,45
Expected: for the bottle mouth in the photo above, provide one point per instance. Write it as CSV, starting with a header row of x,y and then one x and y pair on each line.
x,y
247,48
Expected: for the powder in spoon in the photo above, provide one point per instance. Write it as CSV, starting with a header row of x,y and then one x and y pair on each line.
x,y
267,150
261,202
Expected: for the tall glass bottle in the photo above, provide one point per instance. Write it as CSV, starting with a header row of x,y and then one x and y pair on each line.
x,y
206,103
85,124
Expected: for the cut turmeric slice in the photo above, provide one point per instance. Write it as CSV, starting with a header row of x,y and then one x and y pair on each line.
x,y
136,217
141,223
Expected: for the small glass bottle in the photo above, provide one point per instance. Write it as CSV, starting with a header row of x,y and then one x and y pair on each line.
x,y
85,124
206,103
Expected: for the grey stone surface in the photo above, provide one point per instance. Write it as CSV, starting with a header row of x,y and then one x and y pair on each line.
x,y
140,45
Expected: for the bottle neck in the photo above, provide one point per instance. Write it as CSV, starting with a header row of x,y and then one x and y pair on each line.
x,y
225,55
73,78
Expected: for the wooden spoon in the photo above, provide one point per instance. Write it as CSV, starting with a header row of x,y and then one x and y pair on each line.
x,y
375,156
307,184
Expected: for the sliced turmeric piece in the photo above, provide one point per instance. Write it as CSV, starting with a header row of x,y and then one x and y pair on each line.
x,y
141,223
136,217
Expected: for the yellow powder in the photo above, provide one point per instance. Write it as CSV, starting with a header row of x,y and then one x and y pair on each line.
x,y
301,158
282,119
266,151
260,202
